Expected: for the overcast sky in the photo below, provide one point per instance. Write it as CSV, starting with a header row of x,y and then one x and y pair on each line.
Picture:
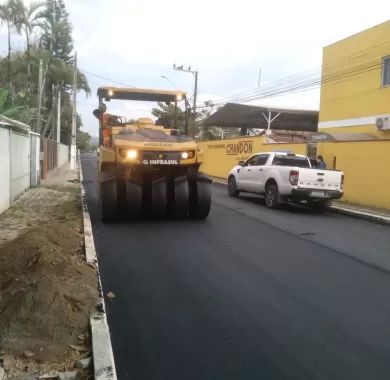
x,y
135,42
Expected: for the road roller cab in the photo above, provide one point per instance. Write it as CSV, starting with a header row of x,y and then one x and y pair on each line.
x,y
148,169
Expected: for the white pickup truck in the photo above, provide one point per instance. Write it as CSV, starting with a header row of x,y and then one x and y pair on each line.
x,y
286,177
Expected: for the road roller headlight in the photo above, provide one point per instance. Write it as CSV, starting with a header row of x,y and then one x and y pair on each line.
x,y
187,155
132,154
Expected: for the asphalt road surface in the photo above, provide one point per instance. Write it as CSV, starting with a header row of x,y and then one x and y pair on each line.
x,y
250,293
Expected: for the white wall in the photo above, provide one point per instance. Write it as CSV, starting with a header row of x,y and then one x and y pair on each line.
x,y
5,180
63,154
20,163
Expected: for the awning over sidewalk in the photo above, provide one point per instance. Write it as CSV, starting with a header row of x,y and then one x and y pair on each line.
x,y
247,116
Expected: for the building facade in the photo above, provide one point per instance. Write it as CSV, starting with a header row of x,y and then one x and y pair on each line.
x,y
355,89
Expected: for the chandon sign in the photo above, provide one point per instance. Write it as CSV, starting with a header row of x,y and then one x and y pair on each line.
x,y
239,148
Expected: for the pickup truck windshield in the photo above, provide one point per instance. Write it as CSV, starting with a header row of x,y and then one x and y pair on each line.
x,y
301,162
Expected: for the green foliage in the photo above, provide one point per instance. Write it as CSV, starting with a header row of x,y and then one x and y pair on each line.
x,y
166,114
18,112
83,139
9,15
205,132
57,31
19,71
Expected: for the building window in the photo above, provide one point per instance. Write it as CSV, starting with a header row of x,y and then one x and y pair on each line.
x,y
386,71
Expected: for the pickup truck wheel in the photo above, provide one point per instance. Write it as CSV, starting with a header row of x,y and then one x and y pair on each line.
x,y
271,196
232,187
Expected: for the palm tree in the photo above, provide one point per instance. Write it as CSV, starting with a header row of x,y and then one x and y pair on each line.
x,y
27,19
7,16
57,31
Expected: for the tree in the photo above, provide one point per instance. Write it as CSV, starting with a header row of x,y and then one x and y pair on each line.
x,y
57,72
57,31
83,139
9,15
166,113
204,132
55,51
18,112
28,18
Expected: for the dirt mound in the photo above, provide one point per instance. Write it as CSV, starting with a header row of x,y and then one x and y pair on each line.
x,y
47,291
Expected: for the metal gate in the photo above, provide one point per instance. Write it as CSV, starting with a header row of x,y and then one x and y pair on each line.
x,y
34,159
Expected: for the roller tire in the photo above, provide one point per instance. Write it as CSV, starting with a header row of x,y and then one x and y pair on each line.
x,y
159,198
200,199
108,202
181,197
133,199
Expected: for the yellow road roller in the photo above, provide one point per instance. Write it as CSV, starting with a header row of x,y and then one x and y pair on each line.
x,y
147,167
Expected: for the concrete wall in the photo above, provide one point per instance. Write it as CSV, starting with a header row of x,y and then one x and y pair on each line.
x,y
5,179
63,154
20,163
17,161
366,164
221,155
352,94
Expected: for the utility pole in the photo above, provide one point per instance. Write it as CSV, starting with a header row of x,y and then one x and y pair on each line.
x,y
74,117
195,74
195,94
58,123
38,127
259,78
58,114
53,105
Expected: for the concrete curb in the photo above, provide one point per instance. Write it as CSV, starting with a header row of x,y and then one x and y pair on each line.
x,y
360,214
372,217
103,357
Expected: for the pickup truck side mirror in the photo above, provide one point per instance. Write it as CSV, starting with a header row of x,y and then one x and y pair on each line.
x,y
241,163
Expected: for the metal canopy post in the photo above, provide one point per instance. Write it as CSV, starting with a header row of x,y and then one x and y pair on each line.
x,y
269,120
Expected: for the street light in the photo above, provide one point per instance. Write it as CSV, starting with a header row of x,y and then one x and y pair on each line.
x,y
172,83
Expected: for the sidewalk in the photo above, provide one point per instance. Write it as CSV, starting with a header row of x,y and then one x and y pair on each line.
x,y
47,288
368,213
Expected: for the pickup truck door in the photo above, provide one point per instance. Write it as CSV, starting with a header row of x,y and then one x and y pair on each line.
x,y
244,175
256,175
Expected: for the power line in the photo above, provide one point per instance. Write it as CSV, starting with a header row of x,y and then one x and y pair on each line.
x,y
301,85
314,83
244,94
107,79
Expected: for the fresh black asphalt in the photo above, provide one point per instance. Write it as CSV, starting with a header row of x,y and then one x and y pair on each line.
x,y
249,293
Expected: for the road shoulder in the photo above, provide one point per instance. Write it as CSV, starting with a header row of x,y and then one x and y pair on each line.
x,y
103,358
47,288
